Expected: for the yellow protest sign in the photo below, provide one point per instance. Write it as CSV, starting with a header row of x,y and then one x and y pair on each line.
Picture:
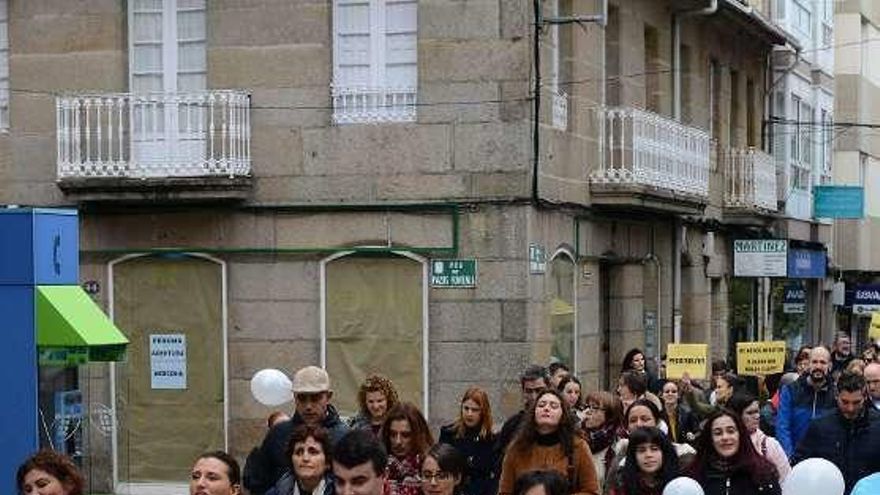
x,y
874,329
760,358
687,358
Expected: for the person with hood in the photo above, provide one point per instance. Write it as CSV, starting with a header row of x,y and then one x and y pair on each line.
x,y
266,464
849,437
811,396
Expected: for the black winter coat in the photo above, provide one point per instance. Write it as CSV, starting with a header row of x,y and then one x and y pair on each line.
x,y
482,477
736,482
266,464
852,445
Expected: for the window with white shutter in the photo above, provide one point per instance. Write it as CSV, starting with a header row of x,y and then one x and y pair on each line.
x,y
4,65
375,71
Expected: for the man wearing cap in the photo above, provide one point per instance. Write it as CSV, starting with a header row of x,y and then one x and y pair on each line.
x,y
312,393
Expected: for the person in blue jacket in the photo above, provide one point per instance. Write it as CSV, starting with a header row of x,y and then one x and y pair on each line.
x,y
811,396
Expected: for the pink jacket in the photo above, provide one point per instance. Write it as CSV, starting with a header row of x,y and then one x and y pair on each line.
x,y
772,450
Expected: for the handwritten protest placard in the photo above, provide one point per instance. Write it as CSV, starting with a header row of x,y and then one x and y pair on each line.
x,y
760,358
687,358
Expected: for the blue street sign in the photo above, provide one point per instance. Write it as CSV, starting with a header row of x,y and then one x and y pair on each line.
x,y
839,201
806,263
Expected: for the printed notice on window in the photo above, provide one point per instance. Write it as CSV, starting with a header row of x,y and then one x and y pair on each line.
x,y
168,361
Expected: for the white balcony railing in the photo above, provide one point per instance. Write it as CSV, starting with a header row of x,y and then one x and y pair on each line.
x,y
750,179
194,134
643,148
373,105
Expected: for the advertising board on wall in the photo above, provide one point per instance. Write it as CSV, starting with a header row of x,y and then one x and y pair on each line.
x,y
760,257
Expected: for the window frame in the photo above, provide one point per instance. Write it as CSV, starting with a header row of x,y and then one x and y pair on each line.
x,y
566,253
377,101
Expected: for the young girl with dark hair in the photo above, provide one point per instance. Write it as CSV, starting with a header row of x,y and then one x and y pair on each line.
x,y
727,463
651,463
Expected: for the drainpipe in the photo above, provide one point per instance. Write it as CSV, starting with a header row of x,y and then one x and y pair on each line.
x,y
676,51
676,115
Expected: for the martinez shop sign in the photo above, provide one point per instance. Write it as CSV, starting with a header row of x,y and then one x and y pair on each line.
x,y
866,299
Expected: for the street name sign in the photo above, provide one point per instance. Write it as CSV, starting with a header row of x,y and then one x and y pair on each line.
x,y
454,273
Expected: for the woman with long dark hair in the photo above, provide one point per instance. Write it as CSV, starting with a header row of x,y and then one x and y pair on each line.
x,y
548,440
634,360
727,463
471,434
651,463
746,405
406,438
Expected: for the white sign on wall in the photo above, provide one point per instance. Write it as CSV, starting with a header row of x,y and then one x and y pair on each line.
x,y
168,361
760,257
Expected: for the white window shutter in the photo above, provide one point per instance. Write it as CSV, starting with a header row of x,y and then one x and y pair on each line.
x,y
354,56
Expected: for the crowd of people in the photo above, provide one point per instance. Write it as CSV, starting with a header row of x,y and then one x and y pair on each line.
x,y
733,435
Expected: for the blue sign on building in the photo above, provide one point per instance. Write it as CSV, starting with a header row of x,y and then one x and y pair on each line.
x,y
866,299
794,299
806,263
838,201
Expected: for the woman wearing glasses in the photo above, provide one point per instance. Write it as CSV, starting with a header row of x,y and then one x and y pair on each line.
x,y
547,440
443,471
603,425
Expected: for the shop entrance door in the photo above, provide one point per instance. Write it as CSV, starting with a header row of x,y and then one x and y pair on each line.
x,y
170,393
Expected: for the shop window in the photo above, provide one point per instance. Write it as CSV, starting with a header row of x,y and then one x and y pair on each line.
x,y
561,309
374,322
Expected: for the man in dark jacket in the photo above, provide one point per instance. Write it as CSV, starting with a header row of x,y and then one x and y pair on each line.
x,y
532,380
849,437
311,391
810,397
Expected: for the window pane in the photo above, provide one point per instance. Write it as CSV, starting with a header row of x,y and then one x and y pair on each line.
x,y
401,17
191,57
147,58
191,25
374,325
560,309
191,82
147,27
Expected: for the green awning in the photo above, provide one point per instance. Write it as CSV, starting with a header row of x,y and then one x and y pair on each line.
x,y
72,329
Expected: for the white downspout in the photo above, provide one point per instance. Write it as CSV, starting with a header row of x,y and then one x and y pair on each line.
x,y
676,115
676,52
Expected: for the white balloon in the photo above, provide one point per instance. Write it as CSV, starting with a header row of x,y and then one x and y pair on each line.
x,y
271,387
683,486
814,475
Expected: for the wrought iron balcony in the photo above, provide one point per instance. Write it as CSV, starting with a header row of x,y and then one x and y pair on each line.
x,y
356,105
750,179
154,136
655,155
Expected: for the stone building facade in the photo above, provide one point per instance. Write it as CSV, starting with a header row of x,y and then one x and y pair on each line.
x,y
278,180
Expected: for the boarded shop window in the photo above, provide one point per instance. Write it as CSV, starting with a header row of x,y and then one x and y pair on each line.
x,y
561,308
164,422
374,323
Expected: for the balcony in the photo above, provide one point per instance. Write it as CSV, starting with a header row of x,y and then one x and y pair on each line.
x,y
373,105
176,146
749,181
649,161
